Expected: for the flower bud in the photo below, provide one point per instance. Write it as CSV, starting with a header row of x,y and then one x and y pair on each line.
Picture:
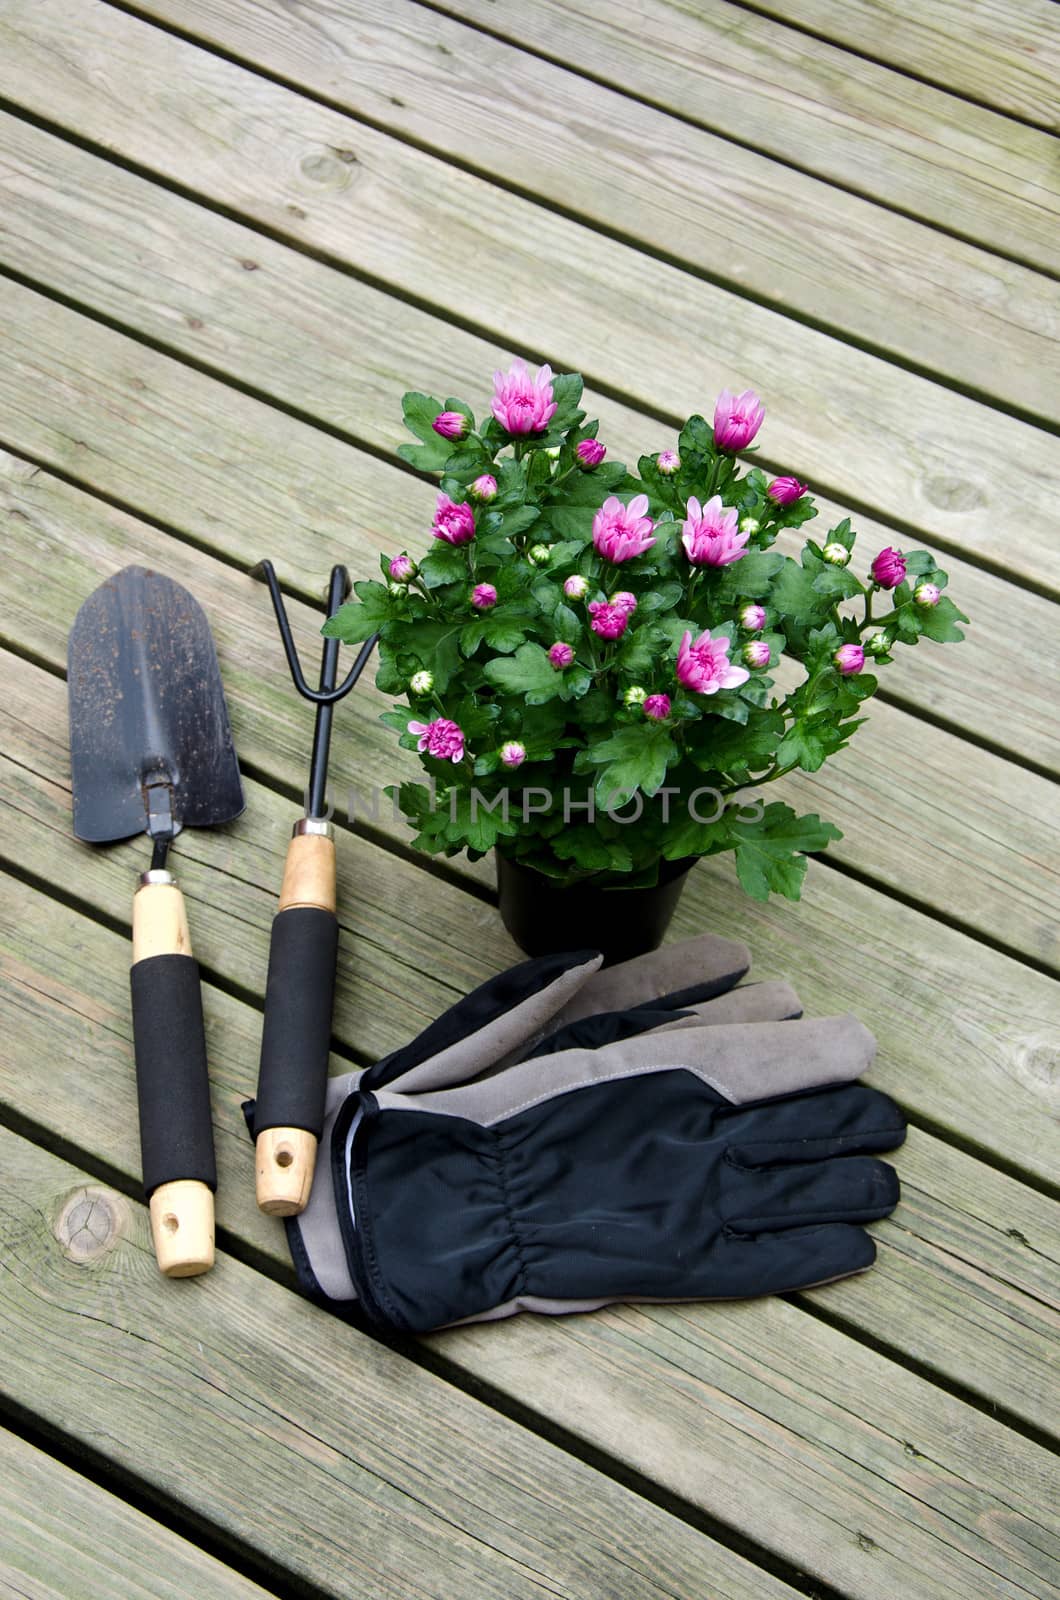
x,y
576,588
749,525
589,454
561,655
402,568
753,618
888,569
785,491
484,489
657,706
553,452
836,554
927,594
483,596
876,642
451,425
397,589
756,653
539,555
625,601
849,658
635,695
421,682
513,754
668,462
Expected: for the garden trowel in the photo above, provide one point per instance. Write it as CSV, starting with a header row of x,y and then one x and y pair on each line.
x,y
151,752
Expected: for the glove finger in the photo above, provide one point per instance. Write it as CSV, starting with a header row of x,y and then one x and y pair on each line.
x,y
671,978
775,1263
843,1189
850,1119
754,1002
769,1001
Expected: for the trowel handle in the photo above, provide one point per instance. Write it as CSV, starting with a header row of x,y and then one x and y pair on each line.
x,y
176,1135
293,1076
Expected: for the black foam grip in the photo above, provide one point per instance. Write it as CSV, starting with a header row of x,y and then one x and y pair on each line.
x,y
293,1077
176,1135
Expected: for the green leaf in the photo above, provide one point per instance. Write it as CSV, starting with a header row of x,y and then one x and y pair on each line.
x,y
528,672
768,852
419,411
360,618
663,597
837,583
635,757
444,563
794,596
940,622
752,576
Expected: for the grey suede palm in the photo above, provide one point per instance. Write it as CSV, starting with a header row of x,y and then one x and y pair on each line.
x,y
588,1144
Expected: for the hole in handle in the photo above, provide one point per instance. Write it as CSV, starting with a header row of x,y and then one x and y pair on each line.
x,y
284,1156
170,1222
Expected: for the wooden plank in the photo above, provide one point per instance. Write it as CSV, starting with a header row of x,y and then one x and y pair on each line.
x,y
65,1536
984,823
921,454
1001,53
810,104
301,1438
787,1429
713,206
973,1247
175,272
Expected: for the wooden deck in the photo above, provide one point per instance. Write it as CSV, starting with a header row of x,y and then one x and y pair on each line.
x,y
231,233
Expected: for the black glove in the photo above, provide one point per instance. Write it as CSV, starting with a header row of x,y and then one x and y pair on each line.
x,y
540,1148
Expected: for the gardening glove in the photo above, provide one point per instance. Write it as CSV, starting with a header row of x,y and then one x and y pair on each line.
x,y
539,1148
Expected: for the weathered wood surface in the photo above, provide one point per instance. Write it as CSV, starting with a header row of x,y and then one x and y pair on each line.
x,y
938,793
1001,52
633,324
800,99
177,273
65,1538
974,1291
289,1432
743,1411
706,203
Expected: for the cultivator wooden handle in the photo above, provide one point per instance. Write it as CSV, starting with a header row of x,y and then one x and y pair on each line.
x,y
172,1085
293,1075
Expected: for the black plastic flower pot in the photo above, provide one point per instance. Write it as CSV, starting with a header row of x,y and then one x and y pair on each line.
x,y
544,916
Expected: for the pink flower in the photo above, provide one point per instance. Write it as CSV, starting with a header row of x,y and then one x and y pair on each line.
x,y
625,601
737,418
589,453
483,595
888,569
402,569
668,462
453,523
484,489
440,738
609,621
710,537
451,425
756,653
782,491
849,658
561,655
927,594
657,706
522,404
513,754
753,618
703,665
622,532
576,588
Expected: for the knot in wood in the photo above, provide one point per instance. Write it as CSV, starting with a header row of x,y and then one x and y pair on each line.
x,y
90,1223
954,494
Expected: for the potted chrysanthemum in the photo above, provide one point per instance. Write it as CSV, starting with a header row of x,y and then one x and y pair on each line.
x,y
585,657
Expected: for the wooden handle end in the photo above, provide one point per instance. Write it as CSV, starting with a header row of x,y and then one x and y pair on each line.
x,y
182,1227
283,1170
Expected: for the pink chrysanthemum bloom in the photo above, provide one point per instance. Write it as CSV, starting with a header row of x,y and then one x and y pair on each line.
x,y
483,595
753,618
522,404
737,418
576,588
657,706
440,738
625,601
784,491
927,594
888,569
451,425
710,537
513,754
703,665
849,658
622,532
589,453
452,522
609,621
484,489
668,462
756,653
561,655
402,569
